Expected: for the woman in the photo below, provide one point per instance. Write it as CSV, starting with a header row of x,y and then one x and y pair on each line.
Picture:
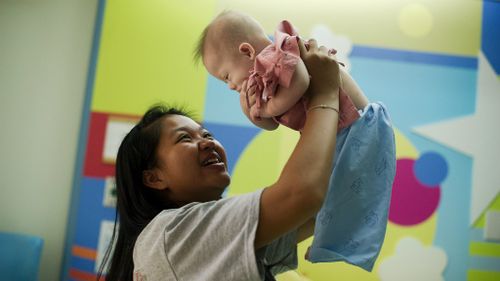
x,y
171,173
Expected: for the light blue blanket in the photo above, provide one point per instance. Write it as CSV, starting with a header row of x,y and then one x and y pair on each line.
x,y
351,224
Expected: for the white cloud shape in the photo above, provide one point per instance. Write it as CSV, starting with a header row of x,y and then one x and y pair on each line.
x,y
413,261
326,37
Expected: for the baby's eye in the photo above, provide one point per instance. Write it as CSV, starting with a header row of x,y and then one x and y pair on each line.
x,y
208,135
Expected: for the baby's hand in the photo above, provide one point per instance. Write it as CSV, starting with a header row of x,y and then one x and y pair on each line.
x,y
248,94
255,113
248,103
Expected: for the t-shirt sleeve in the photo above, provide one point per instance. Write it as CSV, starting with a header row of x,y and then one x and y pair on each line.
x,y
208,241
279,256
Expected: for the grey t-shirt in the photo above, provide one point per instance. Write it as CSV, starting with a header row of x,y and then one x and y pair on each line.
x,y
210,241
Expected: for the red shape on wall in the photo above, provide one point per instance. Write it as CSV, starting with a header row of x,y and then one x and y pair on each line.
x,y
94,166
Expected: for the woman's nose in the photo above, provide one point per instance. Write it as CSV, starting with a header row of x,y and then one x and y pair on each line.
x,y
232,86
206,144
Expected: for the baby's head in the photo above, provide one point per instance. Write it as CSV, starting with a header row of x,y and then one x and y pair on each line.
x,y
228,46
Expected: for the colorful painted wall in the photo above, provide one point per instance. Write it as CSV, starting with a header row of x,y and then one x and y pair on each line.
x,y
435,64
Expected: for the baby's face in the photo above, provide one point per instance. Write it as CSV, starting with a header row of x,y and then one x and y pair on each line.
x,y
233,69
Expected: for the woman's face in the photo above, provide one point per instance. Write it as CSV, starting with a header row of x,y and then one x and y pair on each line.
x,y
191,163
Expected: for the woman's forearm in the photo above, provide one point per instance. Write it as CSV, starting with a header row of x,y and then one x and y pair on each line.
x,y
301,188
310,165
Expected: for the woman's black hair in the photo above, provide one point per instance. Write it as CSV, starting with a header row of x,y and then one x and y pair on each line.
x,y
137,204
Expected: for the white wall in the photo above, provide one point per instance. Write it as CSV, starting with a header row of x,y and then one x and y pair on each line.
x,y
45,48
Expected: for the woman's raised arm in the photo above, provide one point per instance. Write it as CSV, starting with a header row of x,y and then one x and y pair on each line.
x,y
301,188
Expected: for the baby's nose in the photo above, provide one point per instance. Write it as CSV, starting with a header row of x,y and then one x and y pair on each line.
x,y
232,86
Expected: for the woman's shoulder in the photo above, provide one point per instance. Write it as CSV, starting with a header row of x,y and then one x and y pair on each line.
x,y
198,232
246,198
196,212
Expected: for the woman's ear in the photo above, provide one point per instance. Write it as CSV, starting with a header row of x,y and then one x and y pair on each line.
x,y
247,50
154,179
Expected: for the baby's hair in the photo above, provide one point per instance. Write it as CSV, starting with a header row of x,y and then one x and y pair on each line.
x,y
200,45
225,31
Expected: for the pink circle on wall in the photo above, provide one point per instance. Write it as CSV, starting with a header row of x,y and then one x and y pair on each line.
x,y
411,202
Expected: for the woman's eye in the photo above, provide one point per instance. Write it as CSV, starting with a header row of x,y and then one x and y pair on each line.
x,y
208,135
184,138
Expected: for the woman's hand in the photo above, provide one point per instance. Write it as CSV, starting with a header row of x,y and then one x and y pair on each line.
x,y
322,67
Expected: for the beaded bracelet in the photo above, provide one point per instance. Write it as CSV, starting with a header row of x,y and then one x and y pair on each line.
x,y
323,106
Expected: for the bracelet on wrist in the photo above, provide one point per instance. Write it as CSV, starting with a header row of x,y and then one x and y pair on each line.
x,y
323,106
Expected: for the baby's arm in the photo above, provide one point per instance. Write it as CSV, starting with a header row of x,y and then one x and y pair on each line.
x,y
286,97
264,123
353,90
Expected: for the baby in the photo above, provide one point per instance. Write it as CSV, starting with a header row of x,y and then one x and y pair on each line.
x,y
270,77
272,80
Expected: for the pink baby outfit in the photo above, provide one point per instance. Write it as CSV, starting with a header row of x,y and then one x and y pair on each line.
x,y
274,66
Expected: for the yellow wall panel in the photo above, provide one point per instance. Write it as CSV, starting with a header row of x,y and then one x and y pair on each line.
x,y
145,55
440,26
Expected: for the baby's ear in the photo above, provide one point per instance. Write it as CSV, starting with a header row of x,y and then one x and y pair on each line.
x,y
247,50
